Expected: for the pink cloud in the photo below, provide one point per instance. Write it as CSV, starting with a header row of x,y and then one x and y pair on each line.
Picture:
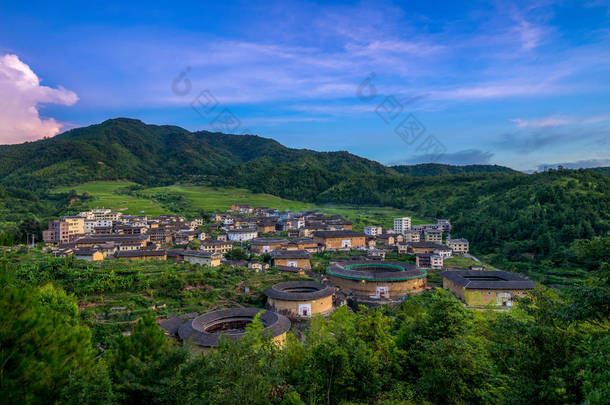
x,y
21,94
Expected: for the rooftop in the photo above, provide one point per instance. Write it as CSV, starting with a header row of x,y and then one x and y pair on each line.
x,y
268,241
338,234
488,279
376,271
290,254
299,291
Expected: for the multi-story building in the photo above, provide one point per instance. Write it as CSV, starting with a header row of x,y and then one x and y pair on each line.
x,y
411,236
215,246
76,225
100,213
459,246
242,235
429,261
90,224
340,239
401,225
444,225
433,235
57,233
372,230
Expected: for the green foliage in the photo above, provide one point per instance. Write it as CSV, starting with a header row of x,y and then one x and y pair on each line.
x,y
143,364
42,348
435,169
236,254
194,244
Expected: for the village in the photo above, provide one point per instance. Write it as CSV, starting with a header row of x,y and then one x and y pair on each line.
x,y
266,239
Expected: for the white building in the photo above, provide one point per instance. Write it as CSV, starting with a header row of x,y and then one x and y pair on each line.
x,y
372,230
242,235
91,224
402,225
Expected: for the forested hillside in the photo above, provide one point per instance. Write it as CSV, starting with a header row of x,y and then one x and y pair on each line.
x,y
435,169
149,154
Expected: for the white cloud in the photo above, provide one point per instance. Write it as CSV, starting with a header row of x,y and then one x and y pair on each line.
x,y
558,121
21,94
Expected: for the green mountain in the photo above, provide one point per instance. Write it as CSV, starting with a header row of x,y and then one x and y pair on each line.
x,y
436,169
150,154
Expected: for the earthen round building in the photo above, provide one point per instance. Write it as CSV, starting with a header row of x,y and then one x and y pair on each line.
x,y
380,280
209,329
300,298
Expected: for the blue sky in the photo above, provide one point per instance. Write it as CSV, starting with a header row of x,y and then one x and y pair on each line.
x,y
522,84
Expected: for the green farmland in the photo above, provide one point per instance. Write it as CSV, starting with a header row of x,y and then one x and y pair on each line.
x,y
185,199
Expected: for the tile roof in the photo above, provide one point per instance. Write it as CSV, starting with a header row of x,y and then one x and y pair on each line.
x,y
488,279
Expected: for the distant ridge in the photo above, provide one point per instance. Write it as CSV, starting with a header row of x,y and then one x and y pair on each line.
x,y
125,148
437,169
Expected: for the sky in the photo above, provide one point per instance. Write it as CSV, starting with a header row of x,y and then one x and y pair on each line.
x,y
520,84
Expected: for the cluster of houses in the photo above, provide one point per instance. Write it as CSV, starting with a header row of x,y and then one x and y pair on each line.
x,y
290,238
103,234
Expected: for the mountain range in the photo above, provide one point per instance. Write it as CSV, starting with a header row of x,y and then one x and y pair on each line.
x,y
126,148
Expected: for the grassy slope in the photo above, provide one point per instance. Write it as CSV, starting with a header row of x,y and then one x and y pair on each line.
x,y
105,194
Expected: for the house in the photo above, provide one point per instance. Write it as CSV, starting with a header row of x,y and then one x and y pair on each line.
x,y
443,251
339,225
266,226
458,246
89,225
266,245
429,261
304,244
89,254
102,230
243,208
422,247
387,239
293,233
129,246
486,287
340,239
216,246
93,240
258,266
141,254
292,258
402,248
433,235
160,236
401,225
57,233
201,257
372,230
411,236
444,225
222,236
184,237
376,254
242,235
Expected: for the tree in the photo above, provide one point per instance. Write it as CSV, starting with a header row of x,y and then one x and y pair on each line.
x,y
144,364
194,244
41,345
